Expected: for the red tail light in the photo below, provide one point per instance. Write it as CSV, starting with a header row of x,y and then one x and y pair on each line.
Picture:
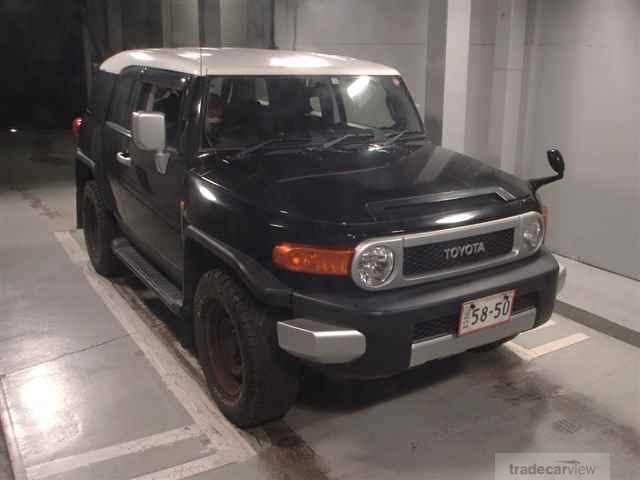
x,y
75,127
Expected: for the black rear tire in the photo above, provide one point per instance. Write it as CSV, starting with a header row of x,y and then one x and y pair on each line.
x,y
99,231
249,377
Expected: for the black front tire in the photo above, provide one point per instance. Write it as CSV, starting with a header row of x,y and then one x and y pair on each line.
x,y
249,377
99,231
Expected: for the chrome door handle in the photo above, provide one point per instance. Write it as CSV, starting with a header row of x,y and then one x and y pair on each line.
x,y
124,158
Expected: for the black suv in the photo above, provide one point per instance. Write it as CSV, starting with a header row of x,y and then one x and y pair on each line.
x,y
290,208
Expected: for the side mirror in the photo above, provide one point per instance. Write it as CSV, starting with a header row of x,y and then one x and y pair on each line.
x,y
149,133
149,130
556,162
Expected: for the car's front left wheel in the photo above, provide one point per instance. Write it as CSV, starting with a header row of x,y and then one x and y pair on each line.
x,y
249,377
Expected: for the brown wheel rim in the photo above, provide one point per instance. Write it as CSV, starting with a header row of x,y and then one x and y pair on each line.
x,y
224,352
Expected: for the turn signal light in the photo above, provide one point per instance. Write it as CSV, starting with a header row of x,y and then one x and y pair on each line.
x,y
312,259
545,217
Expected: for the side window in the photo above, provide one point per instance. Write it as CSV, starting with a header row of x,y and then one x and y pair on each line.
x,y
120,111
156,98
144,100
99,103
262,93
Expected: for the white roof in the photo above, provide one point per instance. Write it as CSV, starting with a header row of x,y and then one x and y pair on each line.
x,y
243,61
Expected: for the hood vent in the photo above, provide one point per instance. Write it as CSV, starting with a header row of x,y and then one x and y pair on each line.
x,y
433,204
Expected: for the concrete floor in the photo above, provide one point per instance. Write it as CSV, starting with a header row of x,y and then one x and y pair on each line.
x,y
96,386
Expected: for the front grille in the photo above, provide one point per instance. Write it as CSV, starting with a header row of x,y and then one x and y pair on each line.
x,y
448,324
436,327
432,257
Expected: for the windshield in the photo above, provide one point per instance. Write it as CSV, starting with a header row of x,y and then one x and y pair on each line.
x,y
242,111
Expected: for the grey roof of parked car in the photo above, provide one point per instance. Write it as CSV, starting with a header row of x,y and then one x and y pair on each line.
x,y
244,61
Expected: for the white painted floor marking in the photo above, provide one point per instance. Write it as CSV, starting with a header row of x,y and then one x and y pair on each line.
x,y
66,464
188,469
518,350
6,423
528,354
224,437
75,252
558,344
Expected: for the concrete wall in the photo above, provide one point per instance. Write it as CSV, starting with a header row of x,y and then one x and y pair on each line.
x,y
234,23
393,33
180,23
482,39
582,93
246,23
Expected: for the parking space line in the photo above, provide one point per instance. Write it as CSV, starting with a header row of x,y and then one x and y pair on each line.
x,y
75,252
73,462
188,469
557,344
6,423
222,435
528,354
519,350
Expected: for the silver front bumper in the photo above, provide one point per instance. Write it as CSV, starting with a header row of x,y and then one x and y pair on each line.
x,y
323,343
320,342
562,277
448,345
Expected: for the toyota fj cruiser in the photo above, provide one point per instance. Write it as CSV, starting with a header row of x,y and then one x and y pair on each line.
x,y
290,208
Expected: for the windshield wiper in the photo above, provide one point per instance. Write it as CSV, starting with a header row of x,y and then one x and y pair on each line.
x,y
258,146
343,138
394,137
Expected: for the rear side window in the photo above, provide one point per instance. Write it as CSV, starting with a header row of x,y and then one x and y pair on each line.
x,y
101,92
120,111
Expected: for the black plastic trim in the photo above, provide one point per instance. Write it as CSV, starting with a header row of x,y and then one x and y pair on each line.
x,y
85,159
387,318
266,287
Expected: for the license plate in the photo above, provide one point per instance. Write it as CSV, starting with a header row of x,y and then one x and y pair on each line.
x,y
486,312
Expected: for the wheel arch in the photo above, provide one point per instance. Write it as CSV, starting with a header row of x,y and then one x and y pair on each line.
x,y
203,252
84,173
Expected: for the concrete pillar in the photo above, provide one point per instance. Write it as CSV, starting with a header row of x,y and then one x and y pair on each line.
x,y
180,23
508,64
286,13
435,74
233,19
259,23
456,74
167,35
210,23
113,19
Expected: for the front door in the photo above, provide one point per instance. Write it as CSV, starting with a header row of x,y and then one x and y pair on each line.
x,y
160,184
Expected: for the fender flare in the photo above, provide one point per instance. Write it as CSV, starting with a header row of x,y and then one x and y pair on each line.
x,y
261,282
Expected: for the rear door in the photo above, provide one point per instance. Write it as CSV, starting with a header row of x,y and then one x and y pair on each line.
x,y
116,150
160,190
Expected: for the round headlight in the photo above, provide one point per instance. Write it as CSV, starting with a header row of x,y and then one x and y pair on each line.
x,y
533,234
375,266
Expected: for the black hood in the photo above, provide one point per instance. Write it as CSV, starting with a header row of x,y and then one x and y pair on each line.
x,y
371,184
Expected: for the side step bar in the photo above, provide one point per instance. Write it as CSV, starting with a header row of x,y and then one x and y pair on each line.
x,y
148,274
